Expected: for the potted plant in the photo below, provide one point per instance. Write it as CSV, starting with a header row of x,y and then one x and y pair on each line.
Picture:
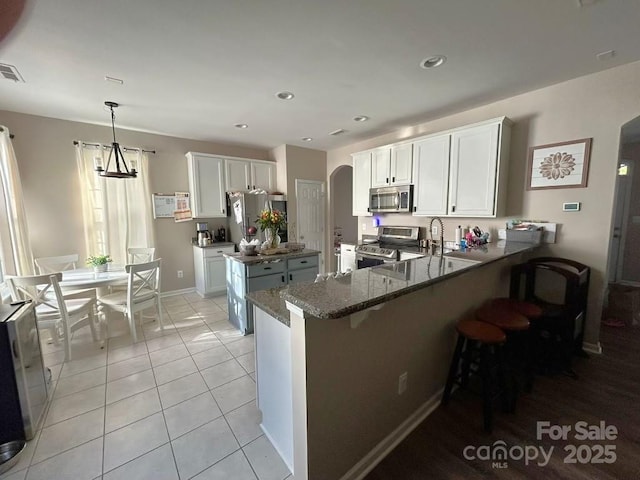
x,y
99,262
270,222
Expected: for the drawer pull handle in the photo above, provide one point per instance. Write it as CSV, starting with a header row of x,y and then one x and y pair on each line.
x,y
219,251
283,279
290,277
267,268
303,261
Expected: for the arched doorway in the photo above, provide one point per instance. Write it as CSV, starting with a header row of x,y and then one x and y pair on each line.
x,y
624,263
344,226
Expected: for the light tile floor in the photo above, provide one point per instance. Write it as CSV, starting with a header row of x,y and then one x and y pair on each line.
x,y
178,404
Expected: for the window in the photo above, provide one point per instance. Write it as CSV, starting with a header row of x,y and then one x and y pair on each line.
x,y
117,211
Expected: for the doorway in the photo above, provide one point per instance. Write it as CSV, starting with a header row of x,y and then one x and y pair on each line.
x,y
624,263
310,198
345,225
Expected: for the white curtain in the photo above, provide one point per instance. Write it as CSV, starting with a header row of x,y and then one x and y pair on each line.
x,y
117,211
15,246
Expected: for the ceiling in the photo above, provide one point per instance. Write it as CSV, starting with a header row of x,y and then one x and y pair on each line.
x,y
195,68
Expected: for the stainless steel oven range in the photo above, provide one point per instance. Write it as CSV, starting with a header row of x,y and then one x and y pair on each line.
x,y
391,242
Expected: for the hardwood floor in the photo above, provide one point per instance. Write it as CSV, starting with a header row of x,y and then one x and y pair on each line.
x,y
608,389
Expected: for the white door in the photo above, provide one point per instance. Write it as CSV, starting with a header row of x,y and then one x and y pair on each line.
x,y
215,275
263,176
361,184
620,220
310,200
401,160
474,159
238,175
380,167
431,175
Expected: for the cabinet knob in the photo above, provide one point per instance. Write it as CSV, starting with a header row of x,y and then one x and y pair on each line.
x,y
283,280
387,180
223,210
393,179
248,187
290,277
453,208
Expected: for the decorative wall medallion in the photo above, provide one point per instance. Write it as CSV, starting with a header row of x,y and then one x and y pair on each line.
x,y
559,165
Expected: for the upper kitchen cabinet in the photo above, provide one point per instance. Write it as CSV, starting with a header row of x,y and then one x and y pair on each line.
x,y
478,169
206,185
361,183
263,175
431,175
391,165
243,175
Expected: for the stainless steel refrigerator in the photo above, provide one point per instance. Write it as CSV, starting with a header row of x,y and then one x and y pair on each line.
x,y
245,208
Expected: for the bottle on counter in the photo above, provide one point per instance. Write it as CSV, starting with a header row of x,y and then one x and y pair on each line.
x,y
458,235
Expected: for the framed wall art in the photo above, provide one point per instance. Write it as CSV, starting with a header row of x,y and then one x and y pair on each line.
x,y
559,165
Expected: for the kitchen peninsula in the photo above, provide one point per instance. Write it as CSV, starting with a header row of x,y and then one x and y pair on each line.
x,y
329,354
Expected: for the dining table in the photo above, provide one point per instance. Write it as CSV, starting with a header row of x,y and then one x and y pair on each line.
x,y
85,278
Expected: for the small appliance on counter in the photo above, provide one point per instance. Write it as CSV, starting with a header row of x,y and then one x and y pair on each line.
x,y
221,235
203,234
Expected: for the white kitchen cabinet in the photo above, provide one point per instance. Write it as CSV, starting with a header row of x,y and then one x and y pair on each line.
x,y
243,175
263,175
361,183
206,185
473,171
238,173
380,167
401,164
209,269
348,257
391,165
431,175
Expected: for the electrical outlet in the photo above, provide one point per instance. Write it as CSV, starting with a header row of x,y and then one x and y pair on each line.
x,y
434,230
180,274
402,383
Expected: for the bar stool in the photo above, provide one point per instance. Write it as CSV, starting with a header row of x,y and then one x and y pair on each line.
x,y
486,341
516,328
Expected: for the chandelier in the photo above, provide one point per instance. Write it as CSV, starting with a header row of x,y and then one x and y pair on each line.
x,y
121,168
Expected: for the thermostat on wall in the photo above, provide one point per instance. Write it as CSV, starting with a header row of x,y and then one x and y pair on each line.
x,y
571,207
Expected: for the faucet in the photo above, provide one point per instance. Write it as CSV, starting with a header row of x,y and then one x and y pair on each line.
x,y
434,245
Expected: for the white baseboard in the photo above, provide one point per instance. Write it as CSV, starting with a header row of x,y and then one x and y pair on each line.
x,y
594,348
172,293
382,449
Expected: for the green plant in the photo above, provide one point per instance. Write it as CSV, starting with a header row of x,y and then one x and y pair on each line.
x,y
97,260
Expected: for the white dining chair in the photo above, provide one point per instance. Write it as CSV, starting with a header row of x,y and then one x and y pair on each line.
x,y
141,254
143,291
57,264
61,314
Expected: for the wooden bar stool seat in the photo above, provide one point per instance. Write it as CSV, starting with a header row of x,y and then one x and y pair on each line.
x,y
484,341
504,318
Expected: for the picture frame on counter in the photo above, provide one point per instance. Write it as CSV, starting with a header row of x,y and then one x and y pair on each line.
x,y
559,165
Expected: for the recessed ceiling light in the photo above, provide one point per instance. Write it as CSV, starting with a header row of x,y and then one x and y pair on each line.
x,y
241,125
361,118
285,95
433,61
307,139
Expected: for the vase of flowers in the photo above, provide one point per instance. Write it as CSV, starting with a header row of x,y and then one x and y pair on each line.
x,y
99,262
270,222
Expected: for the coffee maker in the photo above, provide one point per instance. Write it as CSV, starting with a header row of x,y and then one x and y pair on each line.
x,y
204,235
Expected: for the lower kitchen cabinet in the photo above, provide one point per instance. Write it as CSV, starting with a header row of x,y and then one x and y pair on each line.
x,y
209,268
244,278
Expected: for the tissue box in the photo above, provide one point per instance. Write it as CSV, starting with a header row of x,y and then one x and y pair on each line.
x,y
525,236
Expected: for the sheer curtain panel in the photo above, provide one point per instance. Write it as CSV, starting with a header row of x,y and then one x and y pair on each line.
x,y
117,211
15,247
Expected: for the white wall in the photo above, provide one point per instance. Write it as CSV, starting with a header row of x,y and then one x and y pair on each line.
x,y
593,106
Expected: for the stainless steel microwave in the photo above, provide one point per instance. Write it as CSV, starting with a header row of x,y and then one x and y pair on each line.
x,y
391,199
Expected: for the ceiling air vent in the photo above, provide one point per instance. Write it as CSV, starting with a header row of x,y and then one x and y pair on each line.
x,y
339,131
10,73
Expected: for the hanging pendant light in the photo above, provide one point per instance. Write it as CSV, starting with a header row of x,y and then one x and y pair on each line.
x,y
121,168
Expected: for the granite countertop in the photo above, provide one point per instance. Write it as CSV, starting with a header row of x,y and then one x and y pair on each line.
x,y
338,297
271,302
252,260
215,245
